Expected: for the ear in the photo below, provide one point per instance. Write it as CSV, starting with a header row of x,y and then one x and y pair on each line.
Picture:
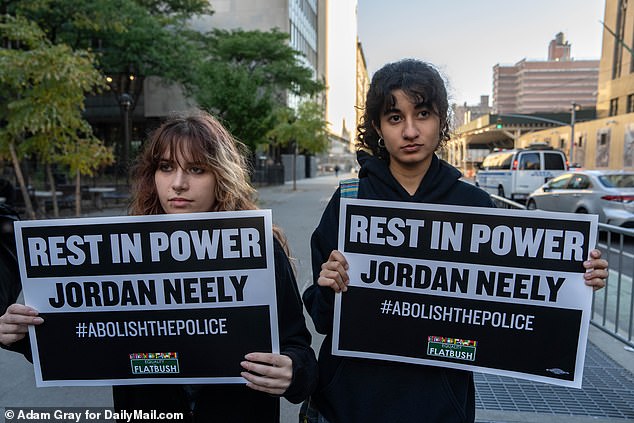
x,y
377,129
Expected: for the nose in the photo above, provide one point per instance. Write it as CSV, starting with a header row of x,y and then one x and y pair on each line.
x,y
179,182
410,131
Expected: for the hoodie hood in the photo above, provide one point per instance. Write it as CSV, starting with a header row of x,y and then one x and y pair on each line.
x,y
377,182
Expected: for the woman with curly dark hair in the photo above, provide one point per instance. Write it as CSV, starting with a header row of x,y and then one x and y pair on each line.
x,y
406,121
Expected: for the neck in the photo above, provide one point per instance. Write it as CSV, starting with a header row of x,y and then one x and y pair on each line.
x,y
409,177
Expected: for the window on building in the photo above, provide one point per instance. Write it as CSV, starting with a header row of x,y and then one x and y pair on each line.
x,y
603,148
614,107
618,42
630,102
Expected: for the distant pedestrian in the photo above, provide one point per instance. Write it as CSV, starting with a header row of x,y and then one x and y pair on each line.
x,y
337,169
192,164
405,121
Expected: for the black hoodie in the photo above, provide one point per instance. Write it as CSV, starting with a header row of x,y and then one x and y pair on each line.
x,y
362,390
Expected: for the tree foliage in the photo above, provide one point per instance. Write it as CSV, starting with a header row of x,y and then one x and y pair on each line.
x,y
306,127
143,37
43,87
246,78
147,37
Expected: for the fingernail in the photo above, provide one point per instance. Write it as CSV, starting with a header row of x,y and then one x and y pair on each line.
x,y
37,320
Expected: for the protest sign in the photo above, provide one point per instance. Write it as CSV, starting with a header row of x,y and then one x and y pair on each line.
x,y
149,299
490,290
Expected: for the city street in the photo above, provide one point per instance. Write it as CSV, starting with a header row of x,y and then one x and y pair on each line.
x,y
608,379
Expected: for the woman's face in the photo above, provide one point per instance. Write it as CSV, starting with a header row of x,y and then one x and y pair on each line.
x,y
411,133
183,186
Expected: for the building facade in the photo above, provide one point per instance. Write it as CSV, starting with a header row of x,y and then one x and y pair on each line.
x,y
362,87
325,32
298,18
608,141
341,66
616,78
545,86
466,113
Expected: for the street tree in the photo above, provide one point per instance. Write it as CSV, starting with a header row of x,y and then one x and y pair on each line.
x,y
246,77
43,88
132,39
303,130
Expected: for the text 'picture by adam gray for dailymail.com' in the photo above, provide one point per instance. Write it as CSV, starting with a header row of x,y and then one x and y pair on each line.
x,y
489,290
149,299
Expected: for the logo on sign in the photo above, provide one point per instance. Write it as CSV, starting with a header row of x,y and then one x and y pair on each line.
x,y
454,348
154,363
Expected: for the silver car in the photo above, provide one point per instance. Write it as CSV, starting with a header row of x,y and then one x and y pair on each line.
x,y
607,193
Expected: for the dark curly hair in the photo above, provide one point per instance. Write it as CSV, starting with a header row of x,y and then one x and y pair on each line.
x,y
420,81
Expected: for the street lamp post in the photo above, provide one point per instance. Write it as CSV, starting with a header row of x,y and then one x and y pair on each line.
x,y
573,115
126,102
126,87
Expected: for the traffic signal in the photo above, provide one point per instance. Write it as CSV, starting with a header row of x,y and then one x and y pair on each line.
x,y
498,124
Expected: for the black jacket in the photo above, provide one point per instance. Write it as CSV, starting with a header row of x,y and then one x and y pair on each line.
x,y
237,403
361,390
10,285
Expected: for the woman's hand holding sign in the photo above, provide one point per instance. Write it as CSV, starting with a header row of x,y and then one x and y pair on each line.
x,y
596,270
334,273
14,323
267,372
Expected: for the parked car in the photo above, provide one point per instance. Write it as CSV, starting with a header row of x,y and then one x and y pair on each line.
x,y
607,193
516,173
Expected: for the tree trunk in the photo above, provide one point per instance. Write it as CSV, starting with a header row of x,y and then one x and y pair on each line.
x,y
30,212
78,194
51,182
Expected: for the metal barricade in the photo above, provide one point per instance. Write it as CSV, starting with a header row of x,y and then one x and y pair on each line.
x,y
613,306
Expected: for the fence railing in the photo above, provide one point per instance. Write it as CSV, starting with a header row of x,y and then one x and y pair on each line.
x,y
613,306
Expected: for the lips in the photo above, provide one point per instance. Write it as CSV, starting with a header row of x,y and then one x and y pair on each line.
x,y
411,147
179,202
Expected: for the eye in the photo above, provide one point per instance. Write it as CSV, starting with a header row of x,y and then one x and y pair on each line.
x,y
394,118
165,167
424,114
196,170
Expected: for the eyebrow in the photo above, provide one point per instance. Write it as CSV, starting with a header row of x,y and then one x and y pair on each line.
x,y
417,106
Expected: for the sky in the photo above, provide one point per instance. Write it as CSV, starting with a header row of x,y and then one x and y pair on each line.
x,y
466,38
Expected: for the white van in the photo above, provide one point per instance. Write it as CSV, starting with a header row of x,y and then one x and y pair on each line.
x,y
516,173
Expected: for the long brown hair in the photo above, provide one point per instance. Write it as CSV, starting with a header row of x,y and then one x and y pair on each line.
x,y
199,137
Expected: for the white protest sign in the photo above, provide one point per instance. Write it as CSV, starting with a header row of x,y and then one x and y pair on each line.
x,y
491,290
177,298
